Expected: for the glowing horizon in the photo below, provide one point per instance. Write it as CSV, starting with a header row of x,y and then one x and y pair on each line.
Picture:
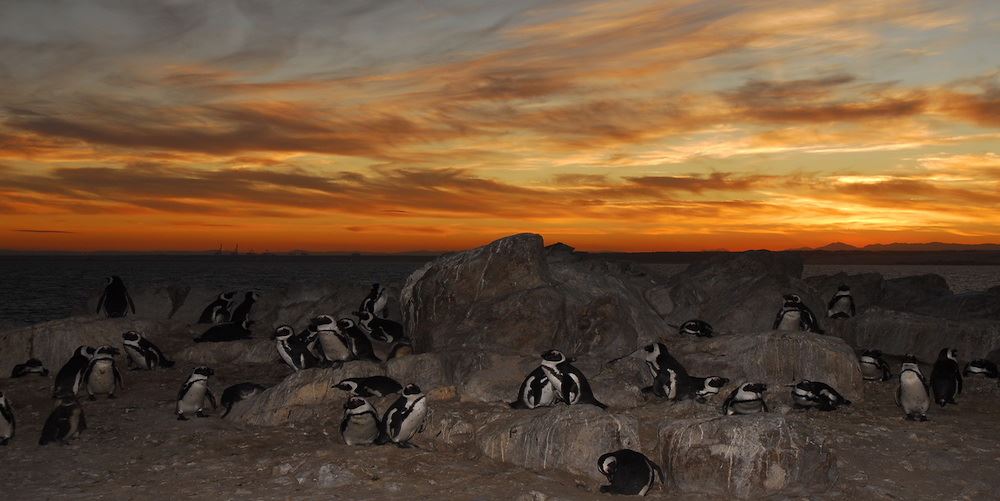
x,y
389,127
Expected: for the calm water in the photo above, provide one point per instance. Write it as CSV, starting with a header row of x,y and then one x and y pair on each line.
x,y
39,288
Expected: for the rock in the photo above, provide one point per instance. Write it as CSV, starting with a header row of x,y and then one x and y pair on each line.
x,y
619,383
253,351
739,293
866,289
743,456
908,293
331,475
563,438
426,370
157,303
498,383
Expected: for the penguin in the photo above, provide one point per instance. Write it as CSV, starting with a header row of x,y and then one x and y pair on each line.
x,y
360,425
372,386
238,393
243,311
65,422
380,329
230,331
8,425
292,350
535,391
794,315
911,394
115,300
873,367
629,472
701,388
70,376
399,348
668,374
572,386
142,353
309,337
747,398
194,392
32,366
405,417
807,394
217,311
102,374
946,378
841,304
375,302
334,344
980,367
361,346
695,327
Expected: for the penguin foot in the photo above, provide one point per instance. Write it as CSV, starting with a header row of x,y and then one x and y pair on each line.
x,y
4,441
605,488
201,414
92,398
405,445
180,417
923,417
909,417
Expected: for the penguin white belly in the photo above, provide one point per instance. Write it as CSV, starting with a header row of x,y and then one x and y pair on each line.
x,y
74,423
102,378
333,347
546,396
284,352
746,406
841,307
5,428
361,429
413,422
136,356
194,399
913,397
870,370
803,398
555,381
791,321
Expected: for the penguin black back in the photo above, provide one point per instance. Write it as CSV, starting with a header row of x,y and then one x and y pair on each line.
x,y
629,472
115,301
946,379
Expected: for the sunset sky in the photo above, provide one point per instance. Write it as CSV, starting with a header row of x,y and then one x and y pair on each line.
x,y
406,125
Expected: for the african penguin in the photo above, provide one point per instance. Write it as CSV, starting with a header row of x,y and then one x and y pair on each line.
x,y
701,388
980,367
375,301
102,374
70,376
405,417
8,424
245,308
65,422
380,329
194,392
695,327
535,391
142,353
238,393
629,472
873,367
230,331
794,315
946,378
360,425
293,351
361,346
668,374
572,386
32,366
372,386
217,311
911,394
807,394
115,301
747,398
841,305
334,344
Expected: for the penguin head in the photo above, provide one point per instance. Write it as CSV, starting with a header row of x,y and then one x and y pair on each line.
x,y
553,357
106,351
323,323
84,351
947,353
754,387
131,336
653,350
843,288
872,353
607,464
252,296
910,358
203,371
3,400
283,332
411,389
792,298
716,381
346,323
346,385
355,402
228,296
108,280
33,362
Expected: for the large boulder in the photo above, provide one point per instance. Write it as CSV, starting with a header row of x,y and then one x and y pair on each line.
x,y
866,289
909,293
743,456
568,438
739,293
252,351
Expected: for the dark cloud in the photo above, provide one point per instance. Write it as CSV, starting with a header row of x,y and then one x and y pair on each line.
x,y
21,230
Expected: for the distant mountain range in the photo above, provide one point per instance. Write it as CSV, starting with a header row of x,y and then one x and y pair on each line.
x,y
924,247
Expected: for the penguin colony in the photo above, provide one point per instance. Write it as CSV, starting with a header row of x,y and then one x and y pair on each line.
x,y
328,342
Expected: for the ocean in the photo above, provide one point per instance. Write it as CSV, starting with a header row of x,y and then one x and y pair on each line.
x,y
40,288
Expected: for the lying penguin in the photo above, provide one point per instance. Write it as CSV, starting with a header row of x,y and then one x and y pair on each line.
x,y
702,388
629,472
142,353
230,331
238,393
794,315
807,394
372,386
873,367
980,367
698,328
747,398
32,366
66,421
360,425
404,418
568,383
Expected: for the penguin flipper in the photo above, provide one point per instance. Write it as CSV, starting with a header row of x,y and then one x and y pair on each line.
x,y
211,397
658,470
518,404
131,305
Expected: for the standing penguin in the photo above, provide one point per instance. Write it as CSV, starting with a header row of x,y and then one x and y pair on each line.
x,y
911,394
668,374
70,376
361,346
980,367
747,398
699,328
238,393
32,366
115,300
794,315
841,304
8,424
65,422
405,418
294,352
194,392
946,379
536,391
371,386
380,329
629,472
142,353
334,344
102,374
807,394
360,425
243,311
375,302
217,311
572,387
873,366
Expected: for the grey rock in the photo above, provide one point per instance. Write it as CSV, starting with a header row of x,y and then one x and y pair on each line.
x,y
866,289
331,475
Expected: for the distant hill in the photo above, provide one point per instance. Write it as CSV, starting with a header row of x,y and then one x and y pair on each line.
x,y
924,247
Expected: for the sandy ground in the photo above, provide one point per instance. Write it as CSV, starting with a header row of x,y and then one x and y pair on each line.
x,y
136,449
